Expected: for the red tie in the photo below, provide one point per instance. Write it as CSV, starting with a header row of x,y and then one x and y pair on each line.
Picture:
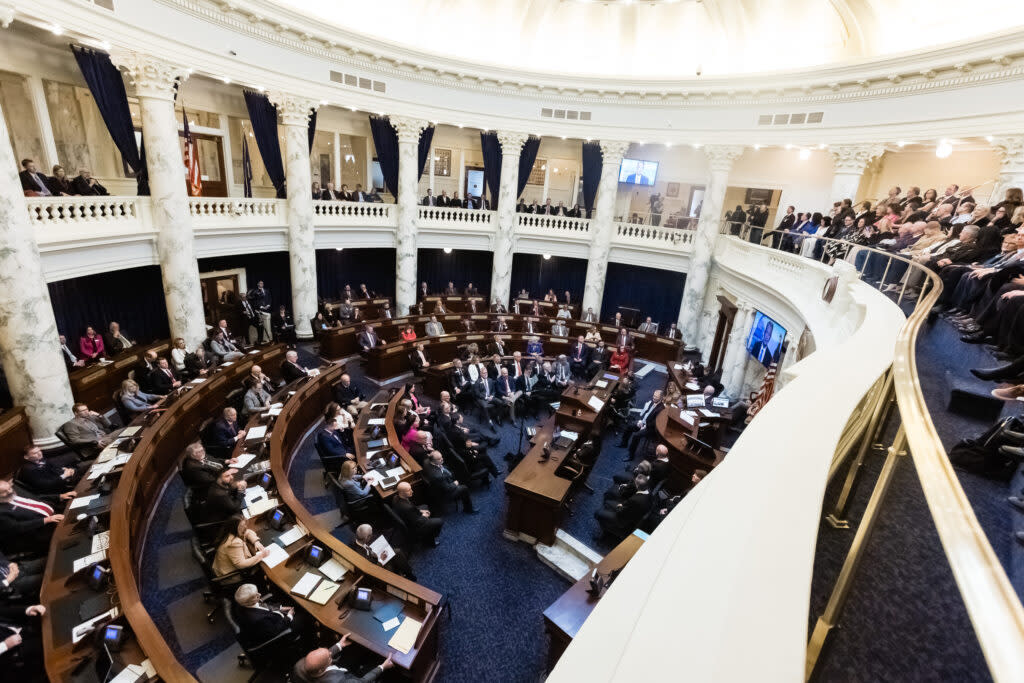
x,y
33,505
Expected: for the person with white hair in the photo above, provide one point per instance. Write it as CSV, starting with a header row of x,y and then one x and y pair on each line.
x,y
291,370
394,559
257,621
320,666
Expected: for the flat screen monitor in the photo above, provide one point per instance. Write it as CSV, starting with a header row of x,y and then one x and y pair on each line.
x,y
765,340
638,172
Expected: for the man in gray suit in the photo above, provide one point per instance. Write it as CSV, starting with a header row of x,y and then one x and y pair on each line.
x,y
319,667
434,328
87,430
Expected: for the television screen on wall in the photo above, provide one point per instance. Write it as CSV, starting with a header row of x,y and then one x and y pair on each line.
x,y
637,172
765,340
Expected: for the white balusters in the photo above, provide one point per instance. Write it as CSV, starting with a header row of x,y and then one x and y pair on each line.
x,y
439,216
57,211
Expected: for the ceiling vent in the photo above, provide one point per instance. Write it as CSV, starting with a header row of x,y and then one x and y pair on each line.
x,y
789,119
354,81
565,114
105,4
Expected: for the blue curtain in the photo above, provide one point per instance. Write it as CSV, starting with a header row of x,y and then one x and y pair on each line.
x,y
527,157
426,139
385,141
462,266
133,297
312,129
592,160
263,117
271,267
657,293
537,275
491,149
373,267
107,88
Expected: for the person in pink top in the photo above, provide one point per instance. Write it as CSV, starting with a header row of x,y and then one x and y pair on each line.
x,y
91,344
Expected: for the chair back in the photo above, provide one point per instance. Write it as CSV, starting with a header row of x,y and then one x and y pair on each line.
x,y
122,412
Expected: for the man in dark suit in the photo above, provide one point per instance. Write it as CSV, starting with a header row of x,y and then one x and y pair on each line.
x,y
343,194
443,485
430,199
259,622
32,180
259,298
320,666
290,368
162,379
499,325
199,471
364,292
498,307
27,524
579,357
621,518
424,291
22,652
459,381
221,435
368,339
331,447
417,519
45,477
766,350
521,207
348,395
471,290
224,499
85,184
487,396
418,357
494,366
497,346
398,563
624,338
673,332
598,357
644,425
444,199
70,359
87,430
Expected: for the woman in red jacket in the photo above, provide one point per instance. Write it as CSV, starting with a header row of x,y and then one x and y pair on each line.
x,y
620,360
408,334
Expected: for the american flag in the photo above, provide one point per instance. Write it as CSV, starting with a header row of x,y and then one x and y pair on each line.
x,y
759,399
193,180
246,167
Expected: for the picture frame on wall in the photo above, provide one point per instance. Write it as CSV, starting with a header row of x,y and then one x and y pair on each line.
x,y
758,196
442,163
672,190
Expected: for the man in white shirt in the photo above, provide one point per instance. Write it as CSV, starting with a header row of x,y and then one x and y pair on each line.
x,y
563,312
70,359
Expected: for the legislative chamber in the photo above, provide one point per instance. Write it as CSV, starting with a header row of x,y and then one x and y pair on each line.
x,y
548,340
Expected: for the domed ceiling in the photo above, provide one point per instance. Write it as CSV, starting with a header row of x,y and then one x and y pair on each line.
x,y
664,39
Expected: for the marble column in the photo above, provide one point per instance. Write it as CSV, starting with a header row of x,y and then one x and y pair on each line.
x,y
734,368
408,130
294,112
720,159
154,82
501,271
1011,169
29,349
850,162
601,226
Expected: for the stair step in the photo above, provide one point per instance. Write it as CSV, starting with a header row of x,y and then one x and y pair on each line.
x,y
568,556
578,546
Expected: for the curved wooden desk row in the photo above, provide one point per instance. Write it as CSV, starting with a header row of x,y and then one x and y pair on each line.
x,y
95,384
367,307
153,463
461,304
300,414
364,432
342,342
15,436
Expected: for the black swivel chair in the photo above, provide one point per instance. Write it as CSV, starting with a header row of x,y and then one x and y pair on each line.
x,y
276,656
220,587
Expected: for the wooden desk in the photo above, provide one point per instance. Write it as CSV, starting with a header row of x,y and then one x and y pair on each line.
x,y
684,452
95,384
139,489
362,434
299,415
15,436
452,304
564,618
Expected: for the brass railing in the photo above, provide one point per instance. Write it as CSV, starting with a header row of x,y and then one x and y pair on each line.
x,y
991,601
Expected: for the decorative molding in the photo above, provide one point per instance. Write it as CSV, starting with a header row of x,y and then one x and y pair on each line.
x,y
853,159
511,142
721,157
1011,152
612,151
408,128
294,110
151,77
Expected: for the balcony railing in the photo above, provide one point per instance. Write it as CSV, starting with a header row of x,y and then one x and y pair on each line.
x,y
533,224
122,212
214,212
440,216
334,214
634,233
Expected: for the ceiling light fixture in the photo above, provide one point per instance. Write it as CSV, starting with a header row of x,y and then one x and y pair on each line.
x,y
547,257
56,30
323,102
757,146
447,250
901,144
944,149
805,154
338,248
225,79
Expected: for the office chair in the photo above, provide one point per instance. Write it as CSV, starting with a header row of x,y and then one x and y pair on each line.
x,y
276,655
221,587
362,511
83,451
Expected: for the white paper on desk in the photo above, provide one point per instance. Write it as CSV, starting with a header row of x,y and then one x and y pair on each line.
x,y
601,383
695,400
254,493
685,417
405,637
273,412
595,403
277,405
306,584
254,351
121,459
261,506
256,433
372,477
295,533
325,590
198,380
720,402
693,386
572,436
376,421
82,501
129,674
83,629
230,362
333,569
391,623
708,413
277,555
101,541
382,549
395,472
99,470
242,461
130,431
83,562
677,366
370,454
107,453
148,668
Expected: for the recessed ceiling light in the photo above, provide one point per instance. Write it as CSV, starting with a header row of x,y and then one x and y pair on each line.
x,y
805,154
789,146
351,108
547,256
563,137
323,102
901,143
989,138
338,248
56,30
668,144
944,149
225,79
757,146
447,250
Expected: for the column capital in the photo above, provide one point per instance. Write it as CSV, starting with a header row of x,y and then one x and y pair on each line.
x,y
408,128
293,109
612,151
512,142
1011,151
720,157
152,77
854,158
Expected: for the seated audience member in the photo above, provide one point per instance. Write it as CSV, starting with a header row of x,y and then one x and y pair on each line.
x,y
516,365
534,347
599,357
417,519
458,380
507,389
162,379
647,326
643,427
672,332
589,316
398,562
45,477
592,336
364,292
422,447
566,298
223,433
624,485
551,296
470,290
346,311
467,325
225,498
562,373
238,548
223,348
199,471
535,308
320,665
579,357
498,307
321,323
616,320
21,645
439,308
199,363
443,486
59,183
408,429
624,338
257,399
178,353
331,442
291,370
134,400
284,327
559,329
349,396
563,312
27,523
617,519
409,333
434,328
87,430
499,325
20,581
115,342
33,183
495,366
619,360
418,357
85,184
352,484
90,345
257,621
70,359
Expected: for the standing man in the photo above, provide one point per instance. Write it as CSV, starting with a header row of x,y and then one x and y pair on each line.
x,y
260,300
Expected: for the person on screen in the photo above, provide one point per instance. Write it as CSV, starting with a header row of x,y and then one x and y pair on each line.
x,y
638,178
766,348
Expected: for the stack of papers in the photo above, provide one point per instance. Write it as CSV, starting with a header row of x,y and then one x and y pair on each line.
x,y
277,555
601,384
243,460
256,433
82,501
693,386
685,417
707,413
86,627
274,411
295,533
395,472
197,380
101,541
83,562
376,421
572,436
130,431
254,494
306,584
99,470
595,403
405,637
372,477
333,569
260,506
382,549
